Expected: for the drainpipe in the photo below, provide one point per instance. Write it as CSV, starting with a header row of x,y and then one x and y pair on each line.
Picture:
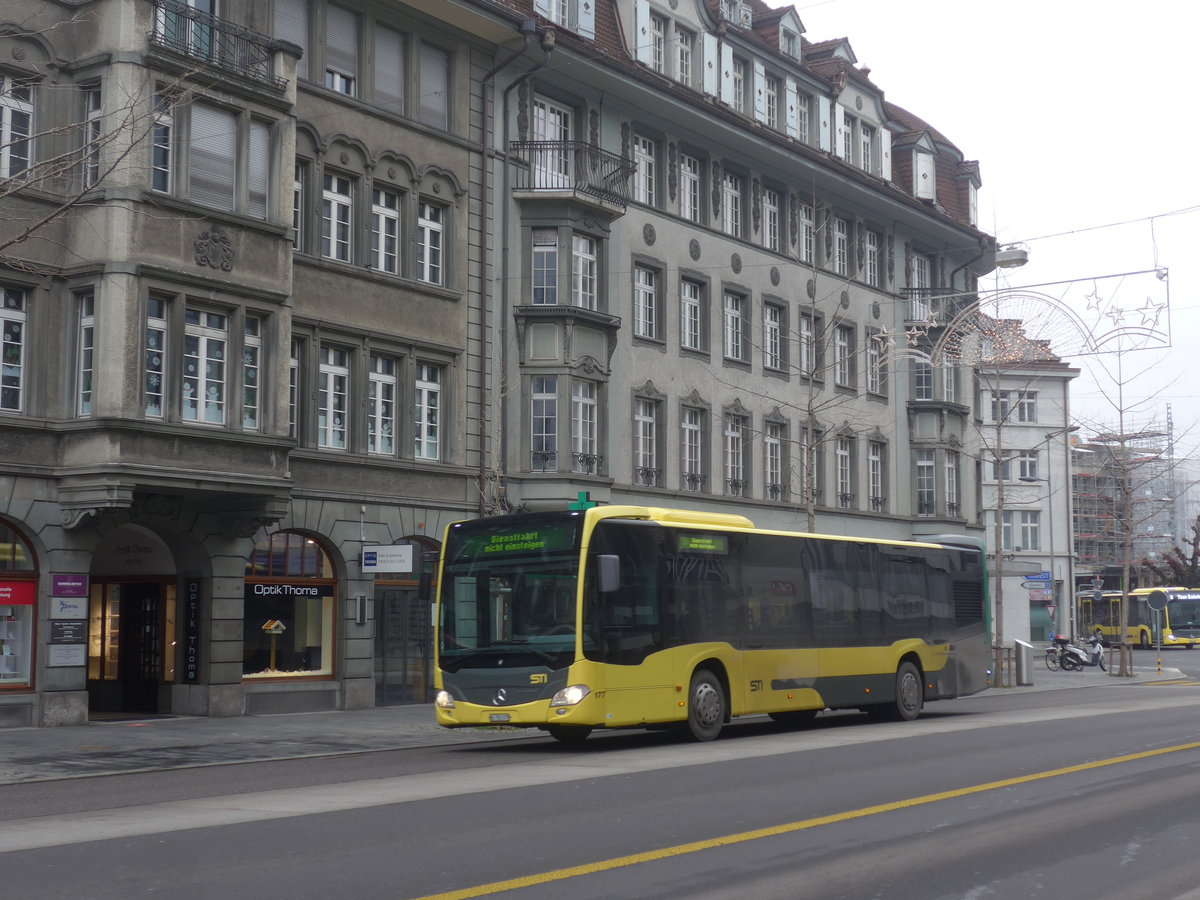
x,y
528,30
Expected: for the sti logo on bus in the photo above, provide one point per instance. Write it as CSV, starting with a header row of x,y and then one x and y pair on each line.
x,y
538,678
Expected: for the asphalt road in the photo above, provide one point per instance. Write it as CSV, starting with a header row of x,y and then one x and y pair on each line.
x,y
1092,792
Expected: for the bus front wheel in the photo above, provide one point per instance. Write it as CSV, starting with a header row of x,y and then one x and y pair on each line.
x,y
569,734
706,706
910,696
1144,640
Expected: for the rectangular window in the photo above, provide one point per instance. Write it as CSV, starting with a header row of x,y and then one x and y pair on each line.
x,y
1001,402
841,246
1027,464
434,106
843,356
85,350
385,230
333,398
731,205
12,350
771,92
685,43
584,428
874,363
847,148
383,386
252,372
845,472
1002,465
773,337
337,217
658,43
875,484
949,385
737,341
162,150
544,267
295,355
926,484
1031,529
692,449
543,424
430,232
738,84
951,486
645,302
808,346
341,50
735,464
156,356
867,145
205,353
922,380
291,24
16,121
690,205
771,219
871,261
803,104
583,271
921,288
773,483
645,442
427,418
213,157
691,316
390,69
1006,530
1027,406
808,243
258,168
645,154
299,207
92,124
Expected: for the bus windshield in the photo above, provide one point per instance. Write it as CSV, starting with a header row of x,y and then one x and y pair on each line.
x,y
1184,616
508,594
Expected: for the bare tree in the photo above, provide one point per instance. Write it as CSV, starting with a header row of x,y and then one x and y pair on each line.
x,y
1178,566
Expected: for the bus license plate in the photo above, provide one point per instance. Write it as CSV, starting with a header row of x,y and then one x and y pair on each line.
x,y
498,717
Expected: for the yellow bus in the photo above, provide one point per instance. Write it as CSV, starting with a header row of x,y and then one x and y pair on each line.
x,y
623,616
1177,625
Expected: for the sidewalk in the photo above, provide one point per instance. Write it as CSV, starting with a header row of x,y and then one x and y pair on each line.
x,y
110,746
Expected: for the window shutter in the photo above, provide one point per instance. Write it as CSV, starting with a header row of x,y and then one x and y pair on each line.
x,y
434,86
291,24
825,110
924,176
587,18
258,169
389,69
341,40
213,157
792,119
710,75
760,91
885,154
543,8
643,46
726,73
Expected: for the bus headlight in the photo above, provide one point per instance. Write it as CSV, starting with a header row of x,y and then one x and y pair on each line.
x,y
1170,636
443,700
570,695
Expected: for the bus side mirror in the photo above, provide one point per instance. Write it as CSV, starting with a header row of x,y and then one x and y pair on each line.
x,y
608,572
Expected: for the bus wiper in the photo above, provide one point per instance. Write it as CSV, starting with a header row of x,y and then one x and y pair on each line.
x,y
524,645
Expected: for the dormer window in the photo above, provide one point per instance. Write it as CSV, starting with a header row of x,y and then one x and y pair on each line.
x,y
789,43
924,175
576,15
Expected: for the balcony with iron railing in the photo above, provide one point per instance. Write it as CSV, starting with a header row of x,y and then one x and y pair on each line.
x,y
935,306
208,40
574,168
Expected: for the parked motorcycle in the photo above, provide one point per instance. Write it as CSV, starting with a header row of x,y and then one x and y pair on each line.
x,y
1064,655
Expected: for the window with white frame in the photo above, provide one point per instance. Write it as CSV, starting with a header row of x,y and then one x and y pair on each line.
x,y
1002,464
1027,464
12,350
874,362
950,385
772,88
690,205
162,150
333,398
16,126
156,358
93,120
922,380
295,363
341,50
205,358
385,230
85,349
737,338
337,216
731,204
866,142
921,288
847,146
646,469
584,287
216,137
544,267
691,315
951,484
735,455
789,43
877,495
252,368
543,424
1027,406
692,448
844,452
430,233
585,424
646,312
803,105
552,161
808,345
841,246
1001,405
807,234
774,434
658,42
771,219
299,206
738,84
843,356
383,385
926,483
645,158
871,258
427,415
774,337
1027,523
685,44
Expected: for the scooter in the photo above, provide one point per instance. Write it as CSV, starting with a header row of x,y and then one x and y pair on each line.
x,y
1095,653
1068,657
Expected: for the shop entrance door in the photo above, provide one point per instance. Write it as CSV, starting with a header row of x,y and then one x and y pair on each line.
x,y
403,647
131,642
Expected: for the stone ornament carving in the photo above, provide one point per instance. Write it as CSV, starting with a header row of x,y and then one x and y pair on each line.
x,y
672,169
594,127
523,111
716,189
775,276
648,234
756,203
811,289
735,263
694,249
213,247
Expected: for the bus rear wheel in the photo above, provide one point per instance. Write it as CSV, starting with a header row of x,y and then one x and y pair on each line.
x,y
1144,640
569,734
706,706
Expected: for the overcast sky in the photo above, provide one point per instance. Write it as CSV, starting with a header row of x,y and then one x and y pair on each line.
x,y
1082,115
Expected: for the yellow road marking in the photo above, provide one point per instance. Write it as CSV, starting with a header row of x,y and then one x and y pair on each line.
x,y
1166,683
634,859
